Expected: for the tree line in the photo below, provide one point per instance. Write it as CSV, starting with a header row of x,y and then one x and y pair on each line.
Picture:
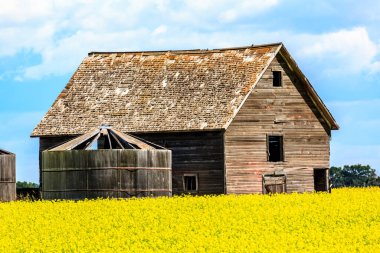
x,y
24,184
353,176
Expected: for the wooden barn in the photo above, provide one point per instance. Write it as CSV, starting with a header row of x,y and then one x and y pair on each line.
x,y
7,176
238,120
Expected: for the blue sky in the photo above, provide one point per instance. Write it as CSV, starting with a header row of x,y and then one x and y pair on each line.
x,y
335,43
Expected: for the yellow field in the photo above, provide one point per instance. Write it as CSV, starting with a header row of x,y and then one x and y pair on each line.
x,y
348,220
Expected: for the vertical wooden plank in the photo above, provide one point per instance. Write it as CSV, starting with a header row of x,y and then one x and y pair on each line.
x,y
7,177
77,174
194,152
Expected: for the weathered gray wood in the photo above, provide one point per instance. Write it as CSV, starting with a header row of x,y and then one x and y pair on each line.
x,y
94,134
7,176
199,153
75,142
287,111
48,143
130,139
78,174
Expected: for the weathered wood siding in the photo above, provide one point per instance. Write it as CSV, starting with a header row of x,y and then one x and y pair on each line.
x,y
198,153
7,177
79,174
269,110
47,143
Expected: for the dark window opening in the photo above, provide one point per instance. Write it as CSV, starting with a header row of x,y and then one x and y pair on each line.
x,y
277,78
320,180
190,183
275,149
274,184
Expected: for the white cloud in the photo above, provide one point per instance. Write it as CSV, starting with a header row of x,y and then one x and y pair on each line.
x,y
246,8
348,51
345,51
206,14
69,52
63,32
19,11
160,30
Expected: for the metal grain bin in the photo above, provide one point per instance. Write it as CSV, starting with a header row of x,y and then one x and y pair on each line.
x,y
7,176
119,172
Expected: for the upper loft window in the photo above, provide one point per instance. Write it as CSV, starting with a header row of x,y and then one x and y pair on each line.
x,y
275,148
277,78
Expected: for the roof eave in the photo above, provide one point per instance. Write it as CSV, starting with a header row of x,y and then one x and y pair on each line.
x,y
137,132
5,152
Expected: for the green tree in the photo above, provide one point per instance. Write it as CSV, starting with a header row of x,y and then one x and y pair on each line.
x,y
336,177
24,184
353,176
359,175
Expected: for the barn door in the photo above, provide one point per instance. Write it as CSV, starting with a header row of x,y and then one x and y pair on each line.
x,y
274,184
320,180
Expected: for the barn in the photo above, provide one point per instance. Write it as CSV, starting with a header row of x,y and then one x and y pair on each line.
x,y
237,120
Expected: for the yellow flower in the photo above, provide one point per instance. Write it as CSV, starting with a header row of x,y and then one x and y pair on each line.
x,y
347,220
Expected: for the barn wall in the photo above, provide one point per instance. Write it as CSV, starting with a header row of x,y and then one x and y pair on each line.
x,y
287,111
198,153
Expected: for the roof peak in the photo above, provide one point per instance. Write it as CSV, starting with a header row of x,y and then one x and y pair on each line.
x,y
186,51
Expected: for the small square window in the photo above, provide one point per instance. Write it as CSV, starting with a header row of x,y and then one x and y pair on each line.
x,y
275,148
190,183
277,78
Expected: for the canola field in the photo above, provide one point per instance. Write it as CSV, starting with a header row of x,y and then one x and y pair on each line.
x,y
347,220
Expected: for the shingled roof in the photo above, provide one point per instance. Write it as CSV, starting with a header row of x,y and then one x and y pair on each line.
x,y
157,91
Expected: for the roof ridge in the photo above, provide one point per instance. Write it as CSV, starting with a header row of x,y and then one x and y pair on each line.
x,y
185,51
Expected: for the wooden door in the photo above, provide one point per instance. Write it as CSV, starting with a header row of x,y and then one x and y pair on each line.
x,y
320,180
274,184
